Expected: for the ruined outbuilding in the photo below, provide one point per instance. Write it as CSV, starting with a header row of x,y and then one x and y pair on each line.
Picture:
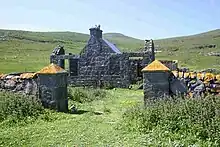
x,y
101,63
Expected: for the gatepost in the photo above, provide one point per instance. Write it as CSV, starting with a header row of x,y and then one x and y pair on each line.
x,y
52,81
156,81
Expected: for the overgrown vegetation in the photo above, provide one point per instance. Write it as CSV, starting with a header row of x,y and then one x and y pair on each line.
x,y
123,121
176,122
81,129
83,95
16,108
19,107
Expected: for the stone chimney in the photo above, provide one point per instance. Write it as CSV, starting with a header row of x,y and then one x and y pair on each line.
x,y
96,32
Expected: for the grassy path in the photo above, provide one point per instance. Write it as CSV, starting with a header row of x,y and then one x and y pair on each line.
x,y
87,129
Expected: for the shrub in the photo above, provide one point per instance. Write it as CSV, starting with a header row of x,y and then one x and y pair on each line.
x,y
17,107
82,95
179,118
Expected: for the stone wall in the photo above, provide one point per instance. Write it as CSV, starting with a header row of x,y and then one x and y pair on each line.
x,y
22,86
172,65
102,69
51,89
136,66
108,81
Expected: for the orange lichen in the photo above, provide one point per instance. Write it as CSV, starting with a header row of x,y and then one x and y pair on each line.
x,y
199,75
218,77
51,69
175,73
192,75
186,75
27,75
181,74
2,76
209,76
156,66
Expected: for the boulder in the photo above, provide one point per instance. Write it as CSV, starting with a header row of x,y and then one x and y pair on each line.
x,y
19,87
10,84
178,86
2,84
29,87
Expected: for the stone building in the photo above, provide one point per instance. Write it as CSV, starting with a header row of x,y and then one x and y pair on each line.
x,y
101,63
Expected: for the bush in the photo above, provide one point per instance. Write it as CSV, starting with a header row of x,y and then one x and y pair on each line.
x,y
17,107
82,95
178,119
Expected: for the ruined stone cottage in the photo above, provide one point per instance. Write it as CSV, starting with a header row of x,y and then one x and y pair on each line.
x,y
101,63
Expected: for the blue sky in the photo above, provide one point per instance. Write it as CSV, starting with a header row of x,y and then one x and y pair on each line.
x,y
137,18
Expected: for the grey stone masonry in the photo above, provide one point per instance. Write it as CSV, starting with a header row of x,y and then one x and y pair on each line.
x,y
53,91
59,50
23,86
149,47
156,85
101,63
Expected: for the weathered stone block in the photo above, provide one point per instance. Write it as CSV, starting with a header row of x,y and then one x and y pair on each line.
x,y
53,91
156,84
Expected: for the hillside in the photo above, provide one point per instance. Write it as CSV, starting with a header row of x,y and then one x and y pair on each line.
x,y
191,51
29,51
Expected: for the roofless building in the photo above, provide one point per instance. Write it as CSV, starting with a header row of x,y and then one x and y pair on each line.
x,y
101,63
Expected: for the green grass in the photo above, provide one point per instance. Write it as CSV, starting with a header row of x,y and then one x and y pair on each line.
x,y
30,51
190,122
117,118
87,129
184,49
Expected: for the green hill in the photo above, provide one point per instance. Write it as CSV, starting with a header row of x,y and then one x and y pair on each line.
x,y
29,51
191,51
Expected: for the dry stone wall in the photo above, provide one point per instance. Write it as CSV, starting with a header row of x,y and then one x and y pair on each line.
x,y
50,88
18,85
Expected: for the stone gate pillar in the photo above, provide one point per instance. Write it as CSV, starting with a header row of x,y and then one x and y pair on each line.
x,y
53,88
156,81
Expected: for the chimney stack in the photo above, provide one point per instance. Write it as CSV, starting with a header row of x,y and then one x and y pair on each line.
x,y
96,32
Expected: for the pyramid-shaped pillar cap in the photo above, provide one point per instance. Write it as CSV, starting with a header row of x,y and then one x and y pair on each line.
x,y
155,66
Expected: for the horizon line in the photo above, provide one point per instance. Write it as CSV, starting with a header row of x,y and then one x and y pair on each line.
x,y
41,31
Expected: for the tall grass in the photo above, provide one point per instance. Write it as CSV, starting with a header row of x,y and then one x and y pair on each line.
x,y
83,95
188,122
15,108
18,107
